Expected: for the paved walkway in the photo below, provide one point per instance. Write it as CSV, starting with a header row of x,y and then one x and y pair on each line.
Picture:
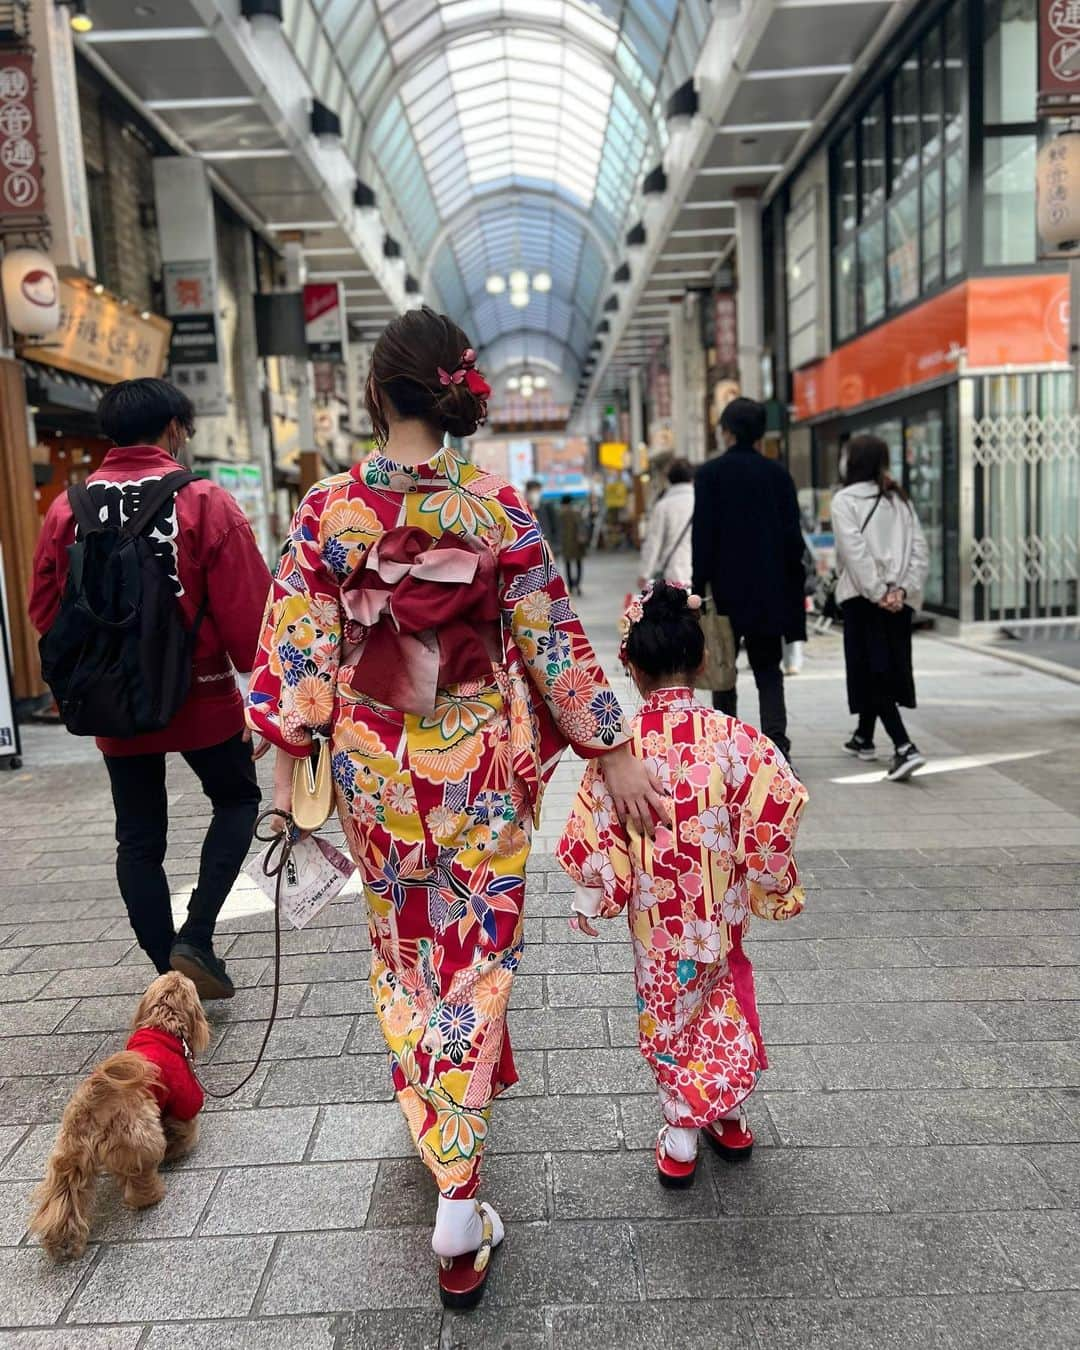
x,y
918,1168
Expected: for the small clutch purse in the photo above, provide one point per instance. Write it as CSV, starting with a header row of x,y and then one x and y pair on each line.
x,y
313,788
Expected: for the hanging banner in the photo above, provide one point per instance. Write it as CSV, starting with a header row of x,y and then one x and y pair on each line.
x,y
10,748
20,164
1059,58
324,321
725,333
195,355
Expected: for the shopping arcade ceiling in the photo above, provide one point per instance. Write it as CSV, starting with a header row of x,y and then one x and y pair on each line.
x,y
504,133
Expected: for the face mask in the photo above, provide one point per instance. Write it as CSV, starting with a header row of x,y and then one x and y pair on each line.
x,y
533,498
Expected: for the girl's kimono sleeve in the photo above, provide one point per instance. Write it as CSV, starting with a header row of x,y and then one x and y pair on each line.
x,y
594,850
291,694
770,800
559,658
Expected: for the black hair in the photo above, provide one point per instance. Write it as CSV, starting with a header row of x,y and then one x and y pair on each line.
x,y
868,462
136,412
680,471
744,418
568,501
668,639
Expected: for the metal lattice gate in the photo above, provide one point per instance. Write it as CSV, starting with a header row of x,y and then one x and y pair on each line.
x,y
1025,500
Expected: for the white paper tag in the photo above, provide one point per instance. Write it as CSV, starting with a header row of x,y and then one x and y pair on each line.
x,y
314,874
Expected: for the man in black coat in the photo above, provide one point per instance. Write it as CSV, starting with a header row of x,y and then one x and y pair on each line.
x,y
748,548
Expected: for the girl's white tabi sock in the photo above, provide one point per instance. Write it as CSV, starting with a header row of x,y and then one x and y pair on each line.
x,y
459,1227
680,1144
736,1114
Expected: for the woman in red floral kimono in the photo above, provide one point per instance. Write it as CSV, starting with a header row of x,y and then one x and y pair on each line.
x,y
725,854
417,618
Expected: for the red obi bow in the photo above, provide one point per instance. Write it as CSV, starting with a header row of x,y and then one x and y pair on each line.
x,y
428,610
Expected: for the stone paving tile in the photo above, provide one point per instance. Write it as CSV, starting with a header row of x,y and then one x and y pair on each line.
x,y
874,1255
492,1327
1059,1166
349,1078
565,1263
340,1272
646,1326
593,1071
784,1181
25,1019
1048,1321
264,1136
34,1290
295,1038
362,1130
14,1211
28,1100
844,1324
943,1179
297,1198
174,1280
732,1258
1045,1247
624,1186
58,1053
278,1333
72,1338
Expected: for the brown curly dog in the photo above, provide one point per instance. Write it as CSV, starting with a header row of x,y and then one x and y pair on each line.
x,y
136,1110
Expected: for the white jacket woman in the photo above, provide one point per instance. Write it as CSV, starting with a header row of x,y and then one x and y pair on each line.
x,y
882,560
880,545
667,543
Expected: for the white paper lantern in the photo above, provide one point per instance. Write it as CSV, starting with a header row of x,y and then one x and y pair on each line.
x,y
31,292
1058,191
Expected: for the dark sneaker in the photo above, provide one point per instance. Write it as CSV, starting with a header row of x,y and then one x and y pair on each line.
x,y
904,764
860,748
204,968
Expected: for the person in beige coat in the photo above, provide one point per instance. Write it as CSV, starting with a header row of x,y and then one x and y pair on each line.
x,y
667,551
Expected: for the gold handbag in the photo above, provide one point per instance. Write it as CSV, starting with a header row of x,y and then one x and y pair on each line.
x,y
718,672
313,788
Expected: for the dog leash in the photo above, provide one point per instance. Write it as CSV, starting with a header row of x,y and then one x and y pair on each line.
x,y
275,861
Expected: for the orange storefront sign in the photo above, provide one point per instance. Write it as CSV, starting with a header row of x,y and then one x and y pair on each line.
x,y
991,321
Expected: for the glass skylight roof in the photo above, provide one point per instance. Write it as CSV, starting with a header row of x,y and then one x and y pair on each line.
x,y
550,109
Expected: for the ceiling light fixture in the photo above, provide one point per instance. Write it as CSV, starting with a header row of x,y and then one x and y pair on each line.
x,y
79,18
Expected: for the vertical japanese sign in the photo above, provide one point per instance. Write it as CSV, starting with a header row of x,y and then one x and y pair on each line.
x,y
20,165
324,321
9,732
195,354
725,332
1059,57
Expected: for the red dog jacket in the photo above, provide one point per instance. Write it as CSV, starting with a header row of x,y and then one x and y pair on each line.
x,y
178,1094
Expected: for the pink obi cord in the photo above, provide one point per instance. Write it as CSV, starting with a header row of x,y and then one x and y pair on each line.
x,y
421,614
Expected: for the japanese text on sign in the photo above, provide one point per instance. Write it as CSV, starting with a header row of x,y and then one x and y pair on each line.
x,y
20,164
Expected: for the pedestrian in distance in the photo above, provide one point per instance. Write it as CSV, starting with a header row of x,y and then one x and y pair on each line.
x,y
666,552
748,549
882,562
573,543
689,893
544,513
418,620
203,583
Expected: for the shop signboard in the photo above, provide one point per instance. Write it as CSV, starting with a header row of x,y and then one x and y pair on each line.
x,y
521,463
613,455
195,355
725,332
102,339
1059,57
324,321
21,193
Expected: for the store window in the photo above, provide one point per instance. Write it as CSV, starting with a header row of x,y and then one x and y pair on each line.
x,y
1010,133
899,183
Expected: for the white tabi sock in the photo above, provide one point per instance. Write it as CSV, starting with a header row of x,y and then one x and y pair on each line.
x,y
459,1228
736,1114
680,1144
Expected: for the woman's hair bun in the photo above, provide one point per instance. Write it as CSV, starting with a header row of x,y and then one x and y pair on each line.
x,y
457,410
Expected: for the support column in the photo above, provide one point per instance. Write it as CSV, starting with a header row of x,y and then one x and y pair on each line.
x,y
637,420
751,301
18,527
295,276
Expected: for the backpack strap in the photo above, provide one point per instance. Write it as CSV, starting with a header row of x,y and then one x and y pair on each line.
x,y
154,498
83,509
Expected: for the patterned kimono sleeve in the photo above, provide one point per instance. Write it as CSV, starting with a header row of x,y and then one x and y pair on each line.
x,y
594,851
292,685
770,800
558,656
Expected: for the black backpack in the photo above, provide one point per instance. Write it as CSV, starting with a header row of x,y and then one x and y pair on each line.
x,y
118,657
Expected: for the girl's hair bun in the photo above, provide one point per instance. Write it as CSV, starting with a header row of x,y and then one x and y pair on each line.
x,y
667,639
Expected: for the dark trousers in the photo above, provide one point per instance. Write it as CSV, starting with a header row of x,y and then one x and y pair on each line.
x,y
227,775
573,574
765,655
886,709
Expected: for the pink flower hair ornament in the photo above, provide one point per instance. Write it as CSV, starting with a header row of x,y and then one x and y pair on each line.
x,y
467,375
635,611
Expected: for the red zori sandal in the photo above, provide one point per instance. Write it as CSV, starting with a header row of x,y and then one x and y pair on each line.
x,y
462,1278
670,1171
732,1139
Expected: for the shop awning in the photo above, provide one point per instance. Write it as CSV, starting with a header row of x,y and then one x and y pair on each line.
x,y
50,389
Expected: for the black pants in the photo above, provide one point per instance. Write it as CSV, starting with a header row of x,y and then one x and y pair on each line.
x,y
573,574
227,775
765,655
886,709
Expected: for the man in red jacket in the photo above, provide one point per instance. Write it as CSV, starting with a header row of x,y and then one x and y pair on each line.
x,y
208,552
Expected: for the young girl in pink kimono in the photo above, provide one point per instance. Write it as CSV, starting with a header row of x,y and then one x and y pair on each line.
x,y
689,892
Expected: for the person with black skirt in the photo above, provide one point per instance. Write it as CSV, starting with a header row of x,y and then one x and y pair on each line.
x,y
882,560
